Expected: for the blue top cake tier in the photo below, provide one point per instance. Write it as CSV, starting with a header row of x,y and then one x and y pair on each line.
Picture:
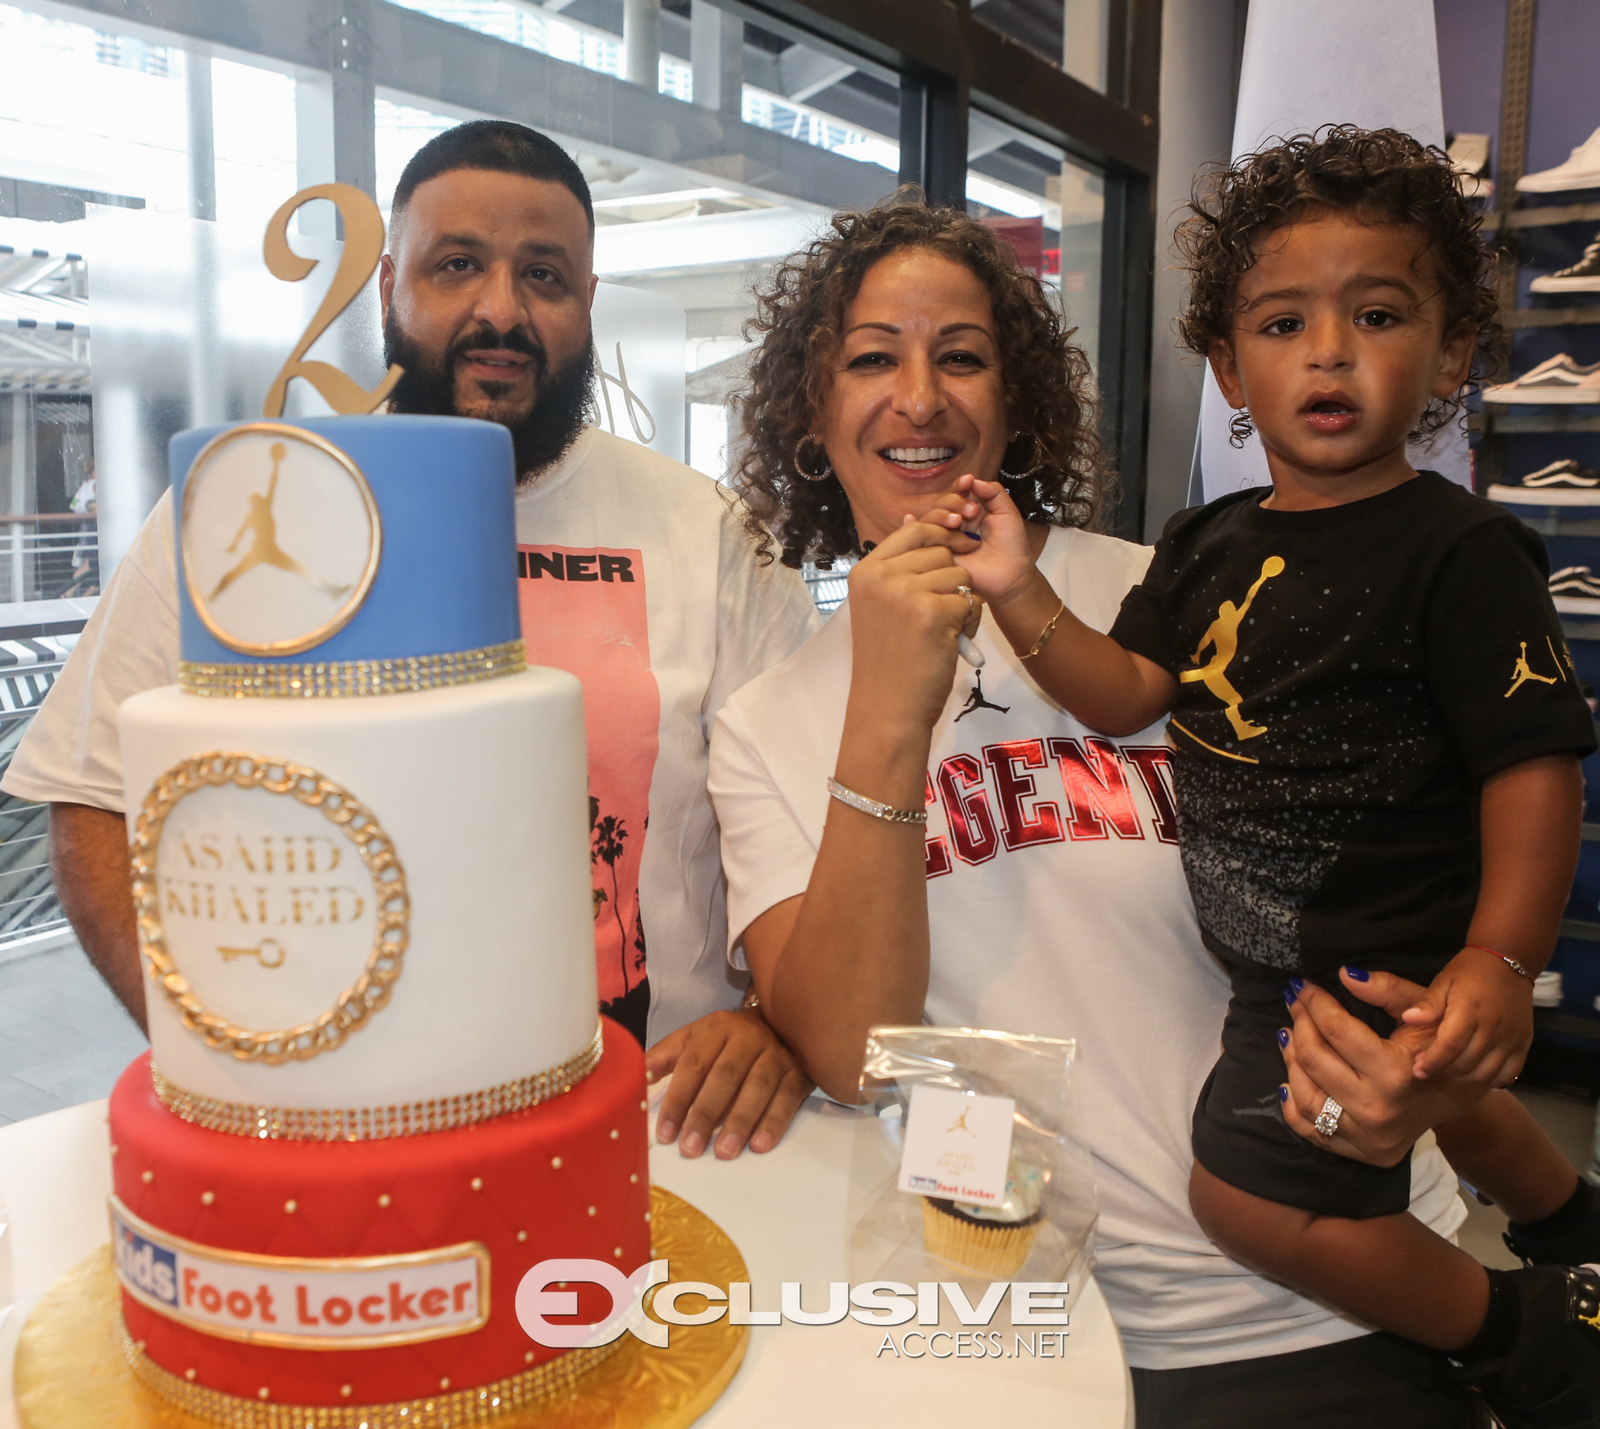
x,y
344,539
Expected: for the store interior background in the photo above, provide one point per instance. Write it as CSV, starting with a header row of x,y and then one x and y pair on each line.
x,y
137,173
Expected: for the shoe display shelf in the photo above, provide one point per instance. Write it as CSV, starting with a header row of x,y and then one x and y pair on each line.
x,y
1543,224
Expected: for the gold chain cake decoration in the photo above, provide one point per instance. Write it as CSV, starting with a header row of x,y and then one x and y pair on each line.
x,y
523,1391
336,679
369,992
271,1123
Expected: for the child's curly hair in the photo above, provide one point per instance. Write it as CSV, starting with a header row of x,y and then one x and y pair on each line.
x,y
800,311
1379,175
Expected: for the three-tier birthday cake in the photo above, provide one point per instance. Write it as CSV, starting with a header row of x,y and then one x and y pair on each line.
x,y
378,1091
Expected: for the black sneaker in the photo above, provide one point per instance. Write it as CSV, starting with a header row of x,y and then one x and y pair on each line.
x,y
1575,582
1564,475
1578,1244
1551,1378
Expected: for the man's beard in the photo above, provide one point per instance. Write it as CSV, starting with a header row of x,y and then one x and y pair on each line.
x,y
539,438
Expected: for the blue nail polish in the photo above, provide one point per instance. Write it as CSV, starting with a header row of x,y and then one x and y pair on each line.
x,y
973,535
1288,996
1283,1093
1298,984
1357,974
1283,1036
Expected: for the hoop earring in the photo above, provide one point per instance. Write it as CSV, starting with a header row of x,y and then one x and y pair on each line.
x,y
800,466
1038,452
1240,429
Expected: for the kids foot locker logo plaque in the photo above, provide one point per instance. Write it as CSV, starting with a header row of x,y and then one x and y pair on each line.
x,y
272,906
348,1303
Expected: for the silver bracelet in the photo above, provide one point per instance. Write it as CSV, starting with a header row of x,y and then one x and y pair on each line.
x,y
873,807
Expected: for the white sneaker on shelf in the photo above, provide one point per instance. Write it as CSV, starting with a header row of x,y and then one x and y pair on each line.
x,y
1561,483
1556,379
1581,171
1582,277
1547,990
1469,158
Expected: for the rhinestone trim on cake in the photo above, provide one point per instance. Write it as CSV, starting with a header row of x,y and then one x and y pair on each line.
x,y
350,678
437,1411
381,1122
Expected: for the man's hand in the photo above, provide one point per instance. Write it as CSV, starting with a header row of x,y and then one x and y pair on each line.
x,y
1332,1053
729,1068
1481,1014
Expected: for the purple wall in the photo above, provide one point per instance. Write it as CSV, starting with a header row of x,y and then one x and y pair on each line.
x,y
1566,93
1471,45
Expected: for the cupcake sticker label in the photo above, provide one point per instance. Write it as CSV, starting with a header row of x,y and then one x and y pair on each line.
x,y
957,1145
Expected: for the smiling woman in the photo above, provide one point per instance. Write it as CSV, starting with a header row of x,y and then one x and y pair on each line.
x,y
983,379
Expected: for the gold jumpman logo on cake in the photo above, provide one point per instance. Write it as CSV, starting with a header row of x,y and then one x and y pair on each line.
x,y
264,549
1223,636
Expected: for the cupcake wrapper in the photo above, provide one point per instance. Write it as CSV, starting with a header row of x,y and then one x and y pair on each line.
x,y
997,1251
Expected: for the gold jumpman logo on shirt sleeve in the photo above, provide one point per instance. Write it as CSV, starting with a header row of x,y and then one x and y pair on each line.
x,y
1521,673
1222,635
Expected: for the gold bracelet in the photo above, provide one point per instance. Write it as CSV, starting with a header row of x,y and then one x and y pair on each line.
x,y
1045,634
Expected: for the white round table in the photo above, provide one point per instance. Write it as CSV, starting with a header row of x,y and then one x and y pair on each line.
x,y
786,1213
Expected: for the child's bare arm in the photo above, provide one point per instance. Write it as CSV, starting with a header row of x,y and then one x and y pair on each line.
x,y
1530,815
1087,673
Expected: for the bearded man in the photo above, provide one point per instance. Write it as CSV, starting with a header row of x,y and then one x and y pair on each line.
x,y
634,575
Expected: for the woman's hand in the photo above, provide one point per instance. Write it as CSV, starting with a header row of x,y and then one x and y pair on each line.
x,y
1332,1053
994,545
905,617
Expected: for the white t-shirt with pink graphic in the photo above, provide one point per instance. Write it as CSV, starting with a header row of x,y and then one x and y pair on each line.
x,y
636,576
1057,906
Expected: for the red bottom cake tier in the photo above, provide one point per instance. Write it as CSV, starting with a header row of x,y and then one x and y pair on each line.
x,y
342,1274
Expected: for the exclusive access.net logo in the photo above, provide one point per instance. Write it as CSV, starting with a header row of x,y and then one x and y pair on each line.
x,y
546,1291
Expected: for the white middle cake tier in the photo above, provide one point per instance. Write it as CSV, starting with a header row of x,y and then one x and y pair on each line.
x,y
432,846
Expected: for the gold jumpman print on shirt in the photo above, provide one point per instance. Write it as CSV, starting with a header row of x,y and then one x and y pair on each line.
x,y
1223,636
264,549
1521,673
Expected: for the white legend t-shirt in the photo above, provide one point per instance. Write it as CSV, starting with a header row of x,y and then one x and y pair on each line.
x,y
1057,906
635,575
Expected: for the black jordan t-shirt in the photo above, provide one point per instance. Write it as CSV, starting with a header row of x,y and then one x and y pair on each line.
x,y
1348,678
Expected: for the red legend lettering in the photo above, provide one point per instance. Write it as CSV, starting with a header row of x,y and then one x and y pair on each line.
x,y
1097,790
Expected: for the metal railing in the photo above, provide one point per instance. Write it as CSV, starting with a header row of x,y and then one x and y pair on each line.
x,y
47,557
28,904
828,588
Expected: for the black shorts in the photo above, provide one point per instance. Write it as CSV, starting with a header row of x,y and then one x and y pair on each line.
x,y
1240,1135
1371,1382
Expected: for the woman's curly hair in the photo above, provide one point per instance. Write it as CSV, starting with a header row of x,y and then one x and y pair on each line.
x,y
800,312
1380,176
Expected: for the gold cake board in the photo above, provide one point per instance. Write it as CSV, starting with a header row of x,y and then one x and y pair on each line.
x,y
71,1372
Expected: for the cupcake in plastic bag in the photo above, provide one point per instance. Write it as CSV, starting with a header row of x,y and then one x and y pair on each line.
x,y
989,1240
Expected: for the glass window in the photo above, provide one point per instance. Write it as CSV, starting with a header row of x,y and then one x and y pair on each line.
x,y
1068,33
1049,209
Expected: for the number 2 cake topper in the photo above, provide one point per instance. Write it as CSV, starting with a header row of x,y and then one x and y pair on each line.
x,y
363,247
279,530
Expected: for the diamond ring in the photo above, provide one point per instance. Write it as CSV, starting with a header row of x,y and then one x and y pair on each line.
x,y
1327,1122
966,590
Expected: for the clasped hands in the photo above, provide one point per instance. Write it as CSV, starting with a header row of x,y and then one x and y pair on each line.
x,y
1456,1040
